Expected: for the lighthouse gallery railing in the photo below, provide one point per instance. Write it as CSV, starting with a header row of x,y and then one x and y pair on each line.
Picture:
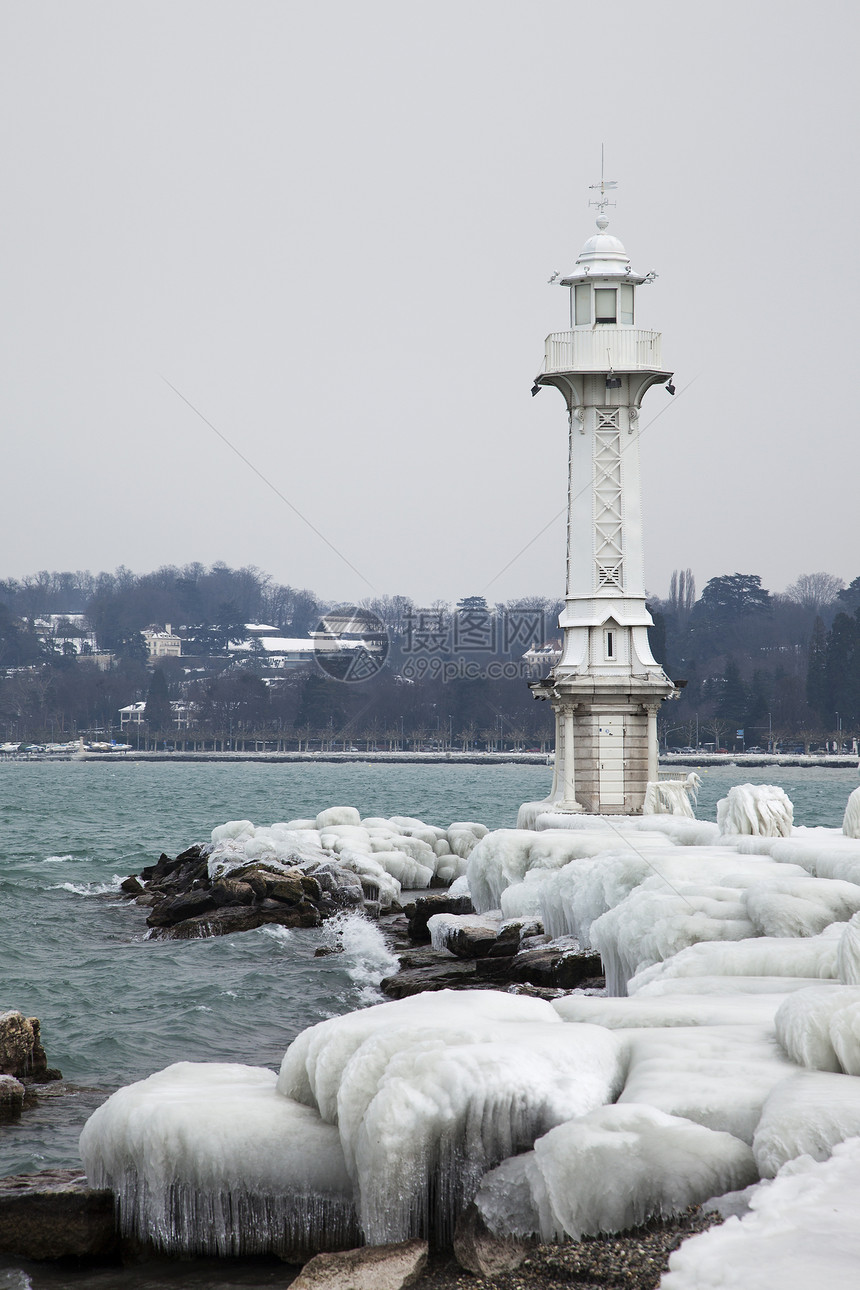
x,y
622,349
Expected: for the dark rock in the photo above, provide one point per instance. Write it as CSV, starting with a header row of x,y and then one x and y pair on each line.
x,y
427,906
178,908
425,957
163,866
473,942
311,887
239,918
229,891
55,1215
506,944
457,975
131,886
12,1093
195,852
563,969
479,1251
288,890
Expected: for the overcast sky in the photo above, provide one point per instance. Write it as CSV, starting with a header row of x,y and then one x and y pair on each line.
x,y
330,226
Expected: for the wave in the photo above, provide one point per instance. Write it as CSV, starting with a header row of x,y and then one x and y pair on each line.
x,y
90,888
367,958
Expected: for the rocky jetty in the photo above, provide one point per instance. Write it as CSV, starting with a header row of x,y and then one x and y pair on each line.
x,y
479,952
184,902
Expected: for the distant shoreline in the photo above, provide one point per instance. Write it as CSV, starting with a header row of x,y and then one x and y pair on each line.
x,y
673,761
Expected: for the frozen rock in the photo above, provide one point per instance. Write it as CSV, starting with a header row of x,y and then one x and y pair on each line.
x,y
802,1025
851,819
806,1115
848,953
800,906
761,956
801,1231
335,815
613,1169
210,1158
763,809
664,1011
653,925
428,1093
718,1076
467,936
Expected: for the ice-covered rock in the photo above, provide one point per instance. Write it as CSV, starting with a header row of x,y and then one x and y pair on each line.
x,y
806,1115
718,1076
653,924
851,818
801,1231
799,906
760,956
429,1092
211,1158
675,1009
672,796
762,809
802,1025
609,1170
848,953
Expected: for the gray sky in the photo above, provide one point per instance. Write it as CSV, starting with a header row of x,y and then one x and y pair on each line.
x,y
331,227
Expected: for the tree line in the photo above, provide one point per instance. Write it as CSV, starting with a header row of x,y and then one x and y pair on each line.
x,y
781,667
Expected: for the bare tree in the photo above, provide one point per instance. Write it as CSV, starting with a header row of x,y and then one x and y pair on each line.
x,y
814,591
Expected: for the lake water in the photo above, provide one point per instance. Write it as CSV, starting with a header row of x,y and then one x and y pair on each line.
x,y
115,1007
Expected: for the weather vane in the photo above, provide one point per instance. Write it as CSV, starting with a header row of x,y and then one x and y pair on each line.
x,y
605,186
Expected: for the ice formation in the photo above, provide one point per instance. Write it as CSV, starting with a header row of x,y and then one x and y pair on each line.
x,y
851,819
609,1170
756,808
801,1231
211,1158
734,1055
430,1092
672,796
386,855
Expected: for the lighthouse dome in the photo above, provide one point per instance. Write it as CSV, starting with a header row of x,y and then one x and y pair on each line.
x,y
602,256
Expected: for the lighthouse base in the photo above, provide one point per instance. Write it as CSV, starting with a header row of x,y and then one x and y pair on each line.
x,y
606,741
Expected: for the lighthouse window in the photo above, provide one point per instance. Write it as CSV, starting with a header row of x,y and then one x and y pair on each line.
x,y
610,644
627,303
605,307
583,305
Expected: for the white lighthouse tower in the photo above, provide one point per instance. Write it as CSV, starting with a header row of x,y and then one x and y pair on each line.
x,y
607,688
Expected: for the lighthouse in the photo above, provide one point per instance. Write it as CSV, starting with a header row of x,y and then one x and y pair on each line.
x,y
607,688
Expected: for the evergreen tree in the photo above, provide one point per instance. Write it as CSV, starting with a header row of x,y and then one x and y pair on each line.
x,y
843,669
158,714
733,698
816,672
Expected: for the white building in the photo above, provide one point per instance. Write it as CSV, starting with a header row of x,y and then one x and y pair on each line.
x,y
131,716
161,642
606,688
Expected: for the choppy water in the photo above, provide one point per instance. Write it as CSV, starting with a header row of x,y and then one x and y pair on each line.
x,y
115,1008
